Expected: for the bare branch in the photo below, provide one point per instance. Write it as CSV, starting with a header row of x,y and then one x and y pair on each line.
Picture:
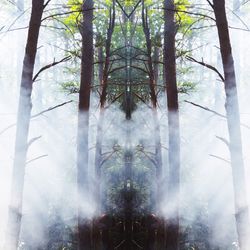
x,y
206,108
214,112
207,66
46,4
65,59
33,140
49,109
35,159
220,158
223,140
61,14
210,3
36,115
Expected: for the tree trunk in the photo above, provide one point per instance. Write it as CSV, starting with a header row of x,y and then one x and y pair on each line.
x,y
100,64
172,227
156,64
86,29
153,72
103,76
107,58
22,130
233,121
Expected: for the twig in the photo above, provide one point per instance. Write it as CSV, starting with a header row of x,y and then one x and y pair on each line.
x,y
223,140
220,158
33,140
205,108
214,112
49,109
37,158
36,115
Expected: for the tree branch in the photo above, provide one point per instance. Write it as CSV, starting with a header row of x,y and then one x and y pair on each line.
x,y
33,140
214,112
207,66
49,109
36,115
65,59
223,140
220,158
206,108
35,159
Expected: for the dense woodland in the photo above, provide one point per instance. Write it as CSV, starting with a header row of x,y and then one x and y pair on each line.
x,y
125,124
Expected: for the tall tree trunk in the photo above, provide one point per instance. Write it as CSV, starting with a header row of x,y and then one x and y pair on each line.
x,y
22,130
172,229
103,75
233,121
86,29
153,72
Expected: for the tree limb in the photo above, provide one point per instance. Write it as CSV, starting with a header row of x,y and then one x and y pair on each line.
x,y
49,66
220,158
207,66
37,158
33,140
36,115
223,140
214,112
205,108
49,109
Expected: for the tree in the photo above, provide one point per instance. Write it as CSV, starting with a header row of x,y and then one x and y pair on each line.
x,y
172,230
233,122
153,77
22,129
86,30
104,73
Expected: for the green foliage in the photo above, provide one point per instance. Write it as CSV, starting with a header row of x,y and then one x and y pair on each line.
x,y
71,87
71,20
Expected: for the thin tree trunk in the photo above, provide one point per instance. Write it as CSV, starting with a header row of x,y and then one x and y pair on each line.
x,y
107,58
100,64
233,121
22,130
103,76
153,72
86,29
172,227
156,64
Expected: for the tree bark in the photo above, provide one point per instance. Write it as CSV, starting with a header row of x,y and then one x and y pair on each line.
x,y
172,227
22,130
233,122
87,60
